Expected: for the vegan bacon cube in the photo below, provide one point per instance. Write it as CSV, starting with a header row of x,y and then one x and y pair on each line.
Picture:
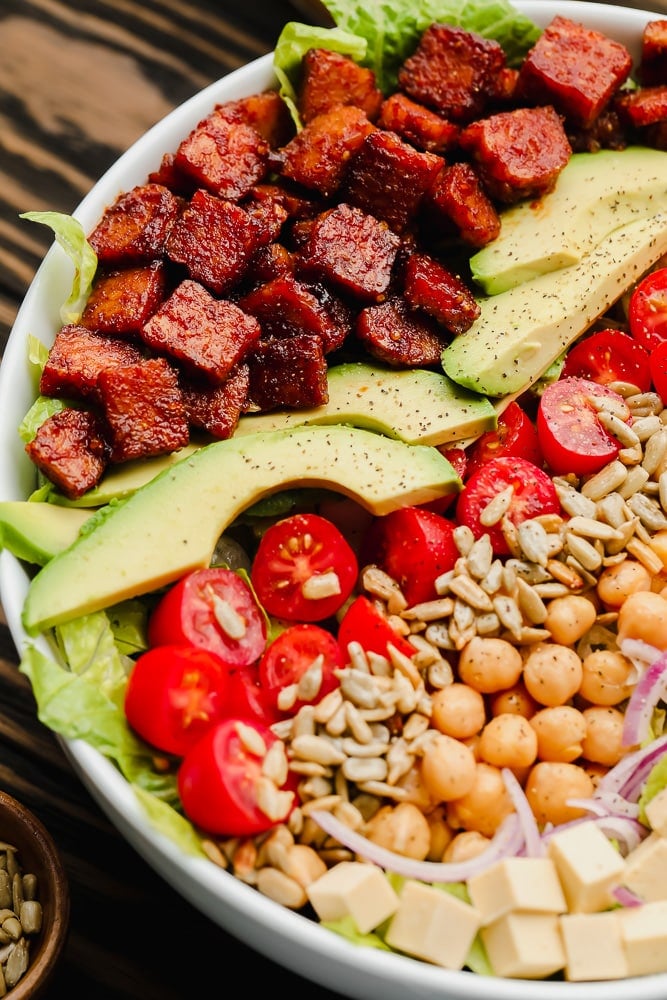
x,y
452,71
288,372
266,112
286,307
135,228
225,157
575,69
77,357
388,179
652,70
207,336
122,301
318,155
458,203
394,334
518,154
217,409
215,240
642,107
417,124
144,410
430,286
70,449
353,251
331,78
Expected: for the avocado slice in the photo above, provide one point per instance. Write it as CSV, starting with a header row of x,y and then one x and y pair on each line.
x,y
36,532
414,405
595,194
520,332
171,525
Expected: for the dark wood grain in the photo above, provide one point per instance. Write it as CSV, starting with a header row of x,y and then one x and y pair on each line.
x,y
79,82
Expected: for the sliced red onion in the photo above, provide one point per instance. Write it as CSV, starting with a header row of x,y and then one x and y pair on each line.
x,y
507,842
641,653
649,690
534,847
625,896
628,776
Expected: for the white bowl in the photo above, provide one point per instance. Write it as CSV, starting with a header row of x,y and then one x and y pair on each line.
x,y
282,935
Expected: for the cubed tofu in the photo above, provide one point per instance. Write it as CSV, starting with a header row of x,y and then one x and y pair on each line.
x,y
646,869
353,889
526,884
433,925
656,813
524,945
593,946
588,865
644,937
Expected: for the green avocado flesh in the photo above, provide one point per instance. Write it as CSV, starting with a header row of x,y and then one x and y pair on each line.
x,y
415,405
595,194
171,525
37,531
520,332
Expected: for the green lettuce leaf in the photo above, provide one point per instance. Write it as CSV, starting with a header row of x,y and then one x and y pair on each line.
x,y
71,237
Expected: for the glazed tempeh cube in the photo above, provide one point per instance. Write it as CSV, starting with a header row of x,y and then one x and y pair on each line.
x,y
318,156
331,78
70,449
398,336
135,228
121,301
217,409
288,372
286,307
77,357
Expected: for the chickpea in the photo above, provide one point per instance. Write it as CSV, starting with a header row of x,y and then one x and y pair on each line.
x,y
465,845
606,677
402,828
616,583
448,768
604,735
644,616
508,741
485,806
458,710
515,699
569,617
552,673
550,784
489,664
441,833
559,731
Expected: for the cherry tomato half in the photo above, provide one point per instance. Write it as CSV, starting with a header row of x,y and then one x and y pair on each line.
x,y
291,654
365,624
659,369
304,570
220,778
246,698
414,546
533,494
609,356
514,435
572,437
212,608
647,312
174,695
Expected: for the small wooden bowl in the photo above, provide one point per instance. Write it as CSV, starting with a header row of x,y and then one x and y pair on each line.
x,y
38,854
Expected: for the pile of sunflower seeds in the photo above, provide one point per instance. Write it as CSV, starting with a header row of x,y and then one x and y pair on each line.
x,y
20,917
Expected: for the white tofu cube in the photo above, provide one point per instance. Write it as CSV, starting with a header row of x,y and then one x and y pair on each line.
x,y
644,936
593,946
588,866
524,945
355,889
527,884
646,869
433,925
656,813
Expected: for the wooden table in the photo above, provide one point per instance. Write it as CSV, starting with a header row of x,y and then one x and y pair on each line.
x,y
80,80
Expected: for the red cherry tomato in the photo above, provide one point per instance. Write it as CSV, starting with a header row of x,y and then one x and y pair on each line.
x,y
647,312
292,554
458,459
174,695
414,546
214,609
609,356
572,437
533,494
291,655
515,435
220,781
365,624
659,369
246,699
